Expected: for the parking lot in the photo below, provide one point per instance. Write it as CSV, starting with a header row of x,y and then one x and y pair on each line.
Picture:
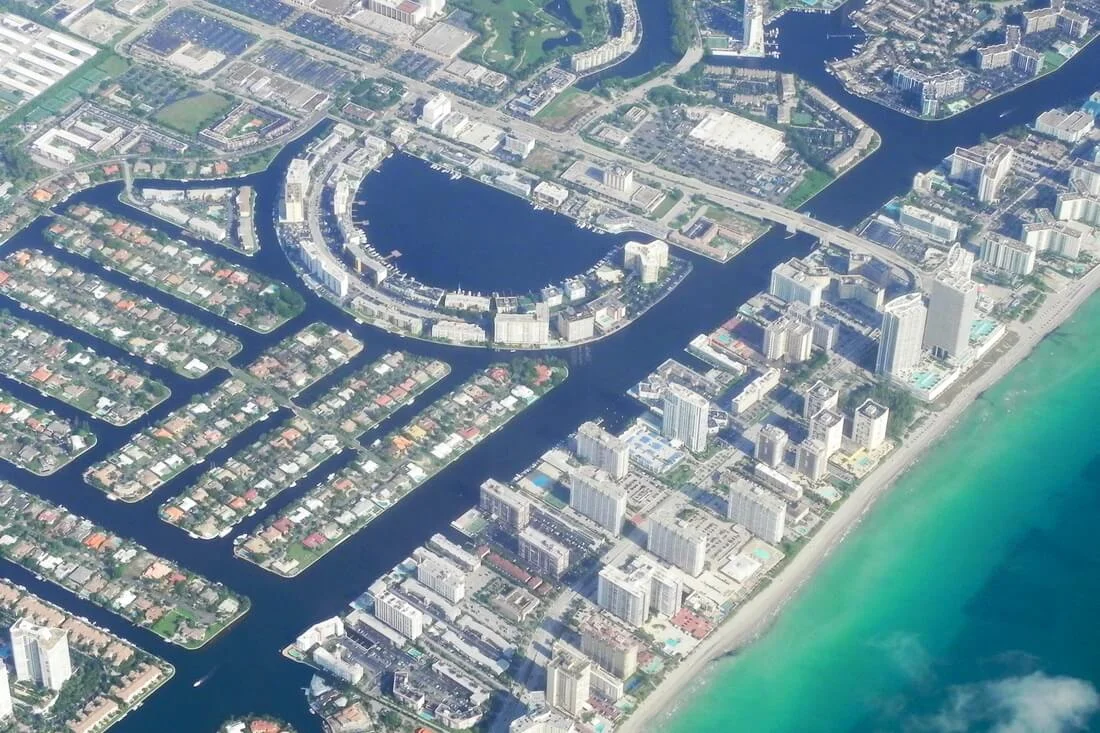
x,y
415,65
321,30
298,66
664,137
270,12
198,28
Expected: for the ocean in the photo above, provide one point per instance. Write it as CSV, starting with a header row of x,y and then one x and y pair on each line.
x,y
967,599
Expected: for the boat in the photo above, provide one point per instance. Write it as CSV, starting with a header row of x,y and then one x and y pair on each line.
x,y
201,680
1004,114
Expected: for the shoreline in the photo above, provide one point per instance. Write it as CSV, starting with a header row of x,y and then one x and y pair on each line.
x,y
754,619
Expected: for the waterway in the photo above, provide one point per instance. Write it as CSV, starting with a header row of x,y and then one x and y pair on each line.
x,y
517,250
246,674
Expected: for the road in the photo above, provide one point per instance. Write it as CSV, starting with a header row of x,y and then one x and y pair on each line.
x,y
571,141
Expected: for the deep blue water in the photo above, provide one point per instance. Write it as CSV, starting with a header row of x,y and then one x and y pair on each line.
x,y
249,675
655,47
516,250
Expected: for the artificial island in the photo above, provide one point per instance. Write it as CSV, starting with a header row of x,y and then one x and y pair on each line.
x,y
585,591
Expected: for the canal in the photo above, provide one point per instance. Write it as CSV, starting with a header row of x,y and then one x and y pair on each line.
x,y
495,237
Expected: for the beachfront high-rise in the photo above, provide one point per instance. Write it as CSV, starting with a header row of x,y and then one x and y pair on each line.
x,y
685,417
568,680
757,510
819,397
601,449
40,654
902,333
625,594
811,460
677,543
828,427
593,494
771,445
869,424
952,303
610,645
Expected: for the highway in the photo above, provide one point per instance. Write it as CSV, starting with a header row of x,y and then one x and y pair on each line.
x,y
570,141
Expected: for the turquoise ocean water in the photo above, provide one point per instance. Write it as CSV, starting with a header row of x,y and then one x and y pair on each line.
x,y
969,599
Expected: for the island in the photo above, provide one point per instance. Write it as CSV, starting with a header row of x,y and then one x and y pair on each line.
x,y
229,291
394,465
933,61
117,574
114,314
184,437
224,495
75,374
38,440
102,678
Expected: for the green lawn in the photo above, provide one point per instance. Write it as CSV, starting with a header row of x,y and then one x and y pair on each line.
x,y
1052,60
814,181
191,114
169,624
513,32
565,104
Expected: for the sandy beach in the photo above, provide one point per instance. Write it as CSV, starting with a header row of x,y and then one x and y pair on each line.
x,y
754,618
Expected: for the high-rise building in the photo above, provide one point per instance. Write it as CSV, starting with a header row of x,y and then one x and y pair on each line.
x,y
952,304
902,333
752,29
685,417
610,645
568,680
508,507
295,191
771,445
828,427
1008,255
593,494
646,260
869,424
442,576
6,708
435,110
811,459
601,449
666,591
40,654
542,553
757,510
522,329
985,170
776,334
819,397
677,543
400,615
931,224
619,178
1069,128
797,281
800,342
626,594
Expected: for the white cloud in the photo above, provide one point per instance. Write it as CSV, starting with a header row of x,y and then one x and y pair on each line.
x,y
1035,703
